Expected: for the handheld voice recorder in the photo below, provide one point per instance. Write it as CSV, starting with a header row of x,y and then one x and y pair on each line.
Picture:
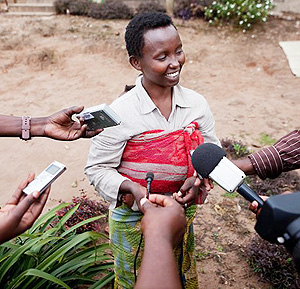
x,y
99,116
45,178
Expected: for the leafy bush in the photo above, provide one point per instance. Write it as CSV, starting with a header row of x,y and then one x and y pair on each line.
x,y
241,13
186,9
273,263
61,6
56,257
150,6
79,7
87,209
110,9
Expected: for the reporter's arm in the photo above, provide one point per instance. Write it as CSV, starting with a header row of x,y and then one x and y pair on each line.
x,y
163,227
58,126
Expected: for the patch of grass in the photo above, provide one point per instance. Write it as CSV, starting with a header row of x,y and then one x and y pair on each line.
x,y
266,139
202,255
231,195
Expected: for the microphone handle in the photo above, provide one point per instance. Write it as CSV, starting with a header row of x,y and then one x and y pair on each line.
x,y
148,188
250,195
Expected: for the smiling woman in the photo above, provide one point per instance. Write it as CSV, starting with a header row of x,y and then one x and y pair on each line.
x,y
166,122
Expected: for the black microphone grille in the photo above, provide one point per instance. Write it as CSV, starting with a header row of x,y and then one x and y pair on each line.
x,y
206,157
150,175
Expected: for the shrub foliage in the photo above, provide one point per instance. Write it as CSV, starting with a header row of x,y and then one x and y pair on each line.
x,y
109,9
150,6
56,257
273,263
241,13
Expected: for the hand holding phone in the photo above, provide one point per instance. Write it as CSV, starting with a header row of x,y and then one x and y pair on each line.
x,y
99,116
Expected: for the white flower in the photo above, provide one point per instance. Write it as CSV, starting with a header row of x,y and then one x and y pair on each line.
x,y
241,22
258,5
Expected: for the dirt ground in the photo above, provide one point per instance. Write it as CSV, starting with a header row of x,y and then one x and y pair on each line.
x,y
50,63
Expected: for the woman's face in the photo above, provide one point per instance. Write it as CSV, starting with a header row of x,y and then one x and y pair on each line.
x,y
162,58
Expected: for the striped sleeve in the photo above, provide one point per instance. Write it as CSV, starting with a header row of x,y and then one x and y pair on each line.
x,y
283,156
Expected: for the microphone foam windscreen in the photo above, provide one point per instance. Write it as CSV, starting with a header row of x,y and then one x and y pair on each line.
x,y
150,175
206,157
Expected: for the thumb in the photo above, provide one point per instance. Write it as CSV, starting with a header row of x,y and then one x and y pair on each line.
x,y
145,204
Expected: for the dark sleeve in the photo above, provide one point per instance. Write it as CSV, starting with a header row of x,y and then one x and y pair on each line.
x,y
283,156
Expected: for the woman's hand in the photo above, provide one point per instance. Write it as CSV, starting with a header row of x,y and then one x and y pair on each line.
x,y
193,188
130,192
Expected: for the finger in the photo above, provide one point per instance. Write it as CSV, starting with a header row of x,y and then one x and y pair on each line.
x,y
187,184
24,205
207,184
15,198
253,206
91,133
144,204
74,109
162,200
177,198
189,198
38,206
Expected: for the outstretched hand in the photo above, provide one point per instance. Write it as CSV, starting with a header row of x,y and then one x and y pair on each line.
x,y
193,188
61,126
20,212
163,218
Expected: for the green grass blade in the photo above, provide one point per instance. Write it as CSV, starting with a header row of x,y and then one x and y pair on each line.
x,y
39,274
81,224
5,266
49,215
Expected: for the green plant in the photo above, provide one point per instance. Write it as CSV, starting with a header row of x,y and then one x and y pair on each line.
x,y
273,263
202,255
241,13
266,139
56,257
234,149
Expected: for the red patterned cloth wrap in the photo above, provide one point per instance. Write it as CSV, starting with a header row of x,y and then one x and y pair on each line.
x,y
167,155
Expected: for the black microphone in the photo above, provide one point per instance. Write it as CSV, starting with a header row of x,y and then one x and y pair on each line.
x,y
209,160
149,178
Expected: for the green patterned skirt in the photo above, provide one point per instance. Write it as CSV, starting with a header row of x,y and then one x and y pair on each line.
x,y
125,237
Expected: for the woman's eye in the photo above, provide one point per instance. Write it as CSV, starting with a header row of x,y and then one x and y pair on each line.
x,y
179,51
162,57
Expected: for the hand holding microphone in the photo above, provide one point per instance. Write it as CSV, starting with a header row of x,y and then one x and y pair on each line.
x,y
209,160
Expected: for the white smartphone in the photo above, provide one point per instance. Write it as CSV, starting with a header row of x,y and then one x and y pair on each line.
x,y
45,178
99,116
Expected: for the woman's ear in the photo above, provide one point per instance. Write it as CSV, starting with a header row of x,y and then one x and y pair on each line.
x,y
135,63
